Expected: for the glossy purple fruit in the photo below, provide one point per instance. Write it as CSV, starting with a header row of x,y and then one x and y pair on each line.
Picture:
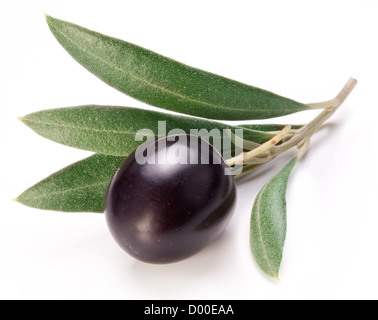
x,y
166,212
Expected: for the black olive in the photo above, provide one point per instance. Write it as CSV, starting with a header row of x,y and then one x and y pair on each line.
x,y
166,211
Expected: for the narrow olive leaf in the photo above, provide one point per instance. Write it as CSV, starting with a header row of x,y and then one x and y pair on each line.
x,y
268,222
165,83
80,187
112,130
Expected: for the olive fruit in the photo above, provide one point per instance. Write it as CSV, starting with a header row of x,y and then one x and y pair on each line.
x,y
168,209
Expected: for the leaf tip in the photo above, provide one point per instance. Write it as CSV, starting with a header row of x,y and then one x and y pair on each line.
x,y
16,200
49,19
21,118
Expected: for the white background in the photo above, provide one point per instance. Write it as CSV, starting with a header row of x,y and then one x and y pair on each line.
x,y
305,50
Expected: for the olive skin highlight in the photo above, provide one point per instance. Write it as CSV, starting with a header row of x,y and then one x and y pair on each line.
x,y
165,212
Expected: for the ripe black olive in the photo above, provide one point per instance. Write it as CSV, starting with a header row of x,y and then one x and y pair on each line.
x,y
166,211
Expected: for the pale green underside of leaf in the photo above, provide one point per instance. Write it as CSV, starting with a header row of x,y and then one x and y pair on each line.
x,y
112,130
80,187
268,222
165,83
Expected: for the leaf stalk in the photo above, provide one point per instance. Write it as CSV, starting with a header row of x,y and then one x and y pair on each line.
x,y
287,139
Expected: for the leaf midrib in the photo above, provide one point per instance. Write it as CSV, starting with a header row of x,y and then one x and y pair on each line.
x,y
63,191
77,127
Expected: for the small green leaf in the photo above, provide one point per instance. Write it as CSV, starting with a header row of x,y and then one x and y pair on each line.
x,y
165,83
80,187
112,130
268,222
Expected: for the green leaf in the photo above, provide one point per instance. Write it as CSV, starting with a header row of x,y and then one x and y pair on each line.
x,y
112,130
165,83
80,187
268,222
